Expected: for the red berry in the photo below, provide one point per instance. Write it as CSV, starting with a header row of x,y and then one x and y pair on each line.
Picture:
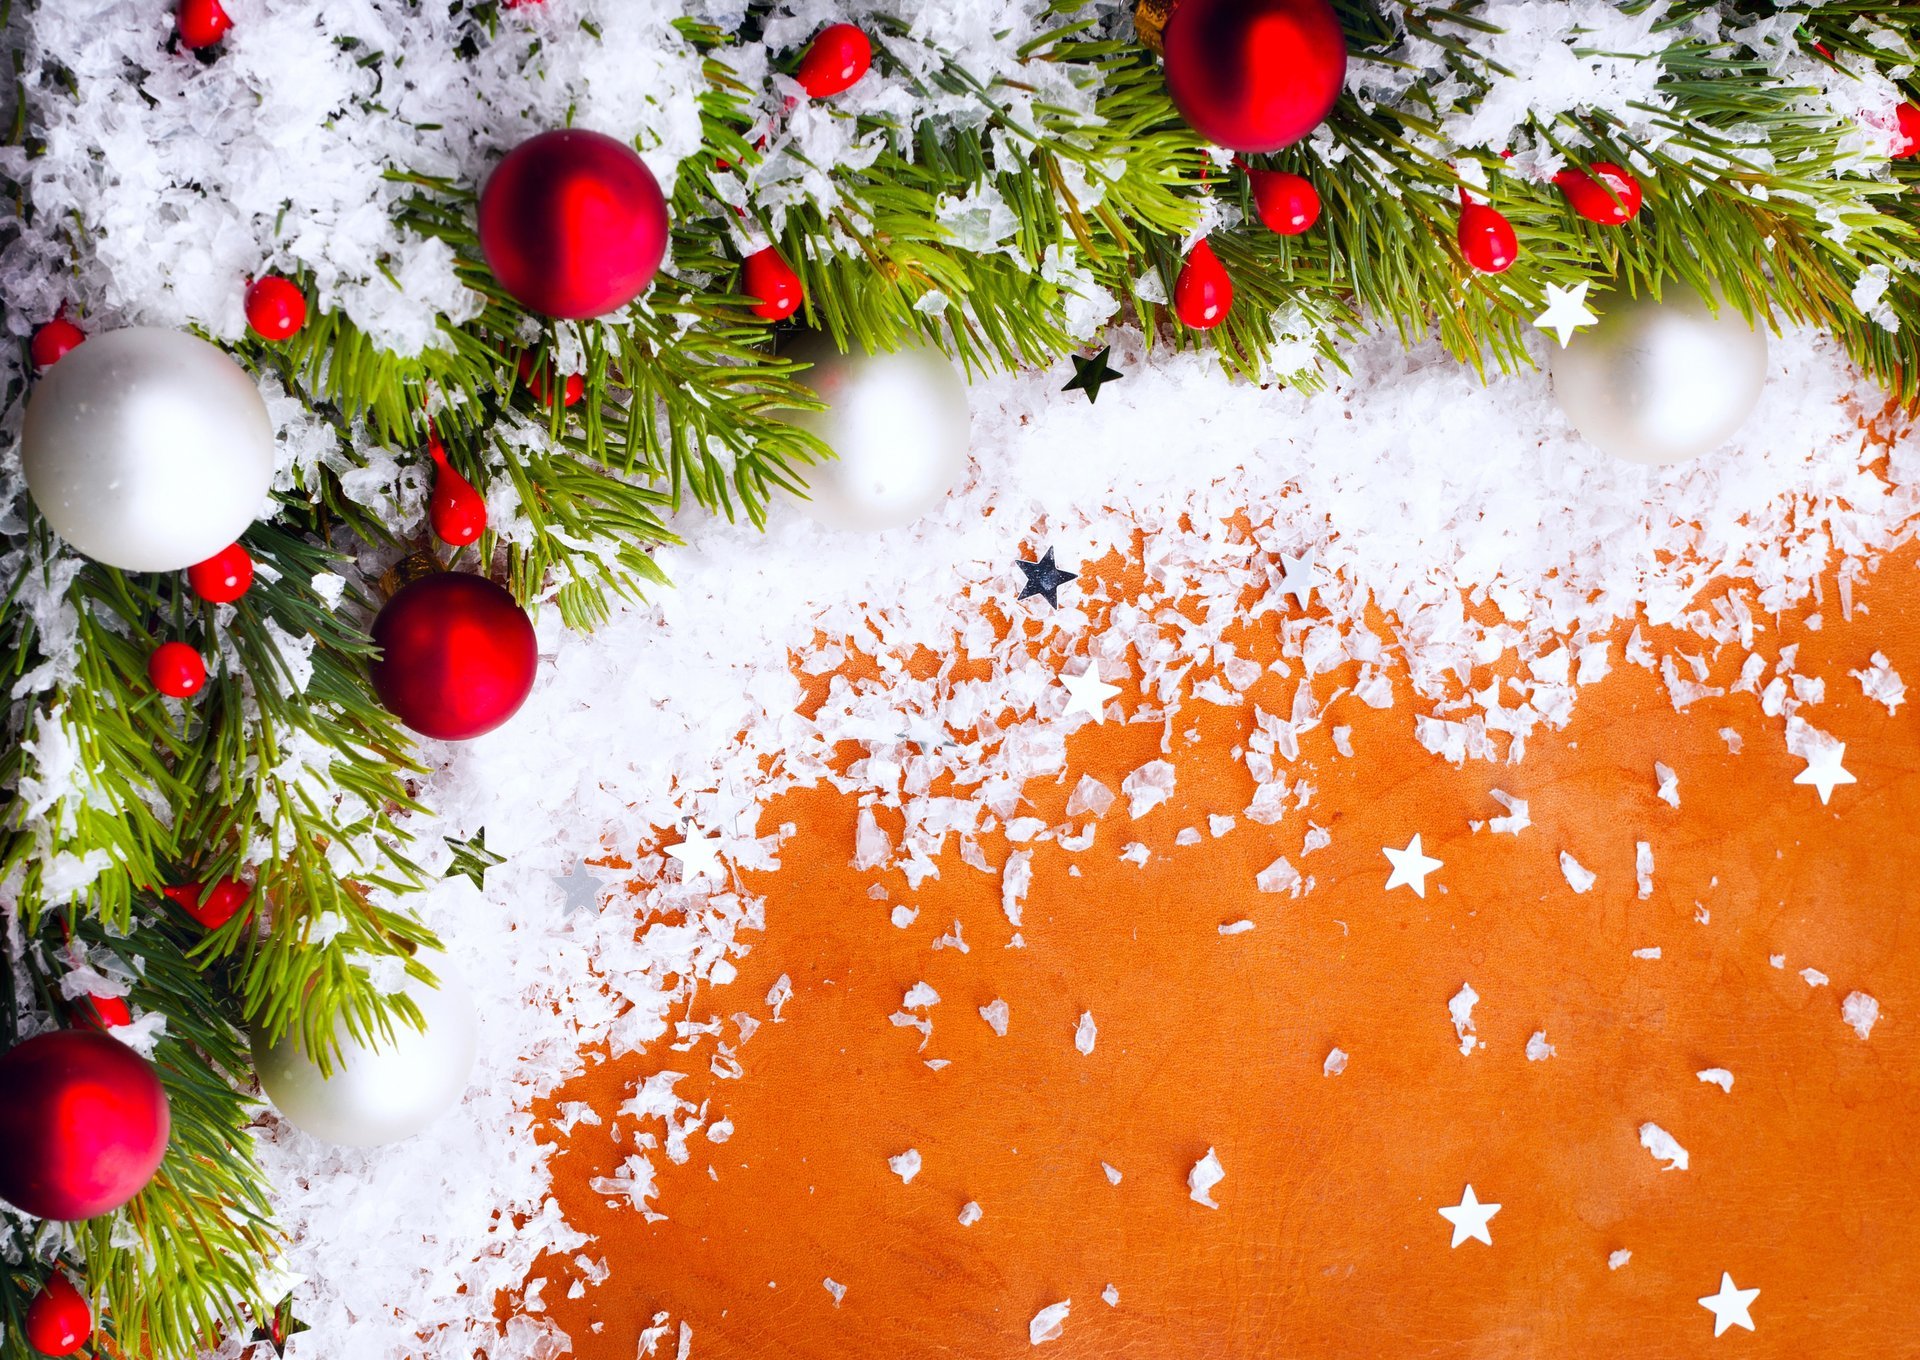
x,y
1288,204
1203,294
539,383
1602,193
202,23
58,1320
224,577
211,907
105,1012
457,512
771,279
839,55
53,341
176,670
1908,143
276,308
1486,238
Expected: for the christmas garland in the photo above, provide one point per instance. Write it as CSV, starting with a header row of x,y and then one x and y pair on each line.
x,y
208,756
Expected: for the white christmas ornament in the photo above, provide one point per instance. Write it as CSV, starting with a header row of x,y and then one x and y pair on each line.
x,y
147,449
898,422
1661,381
382,1091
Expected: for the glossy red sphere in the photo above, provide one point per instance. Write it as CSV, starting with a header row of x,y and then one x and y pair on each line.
x,y
836,59
457,656
176,670
1486,238
1602,193
83,1124
53,341
1203,294
768,277
211,907
573,224
202,23
224,577
1254,75
276,307
58,1320
1287,204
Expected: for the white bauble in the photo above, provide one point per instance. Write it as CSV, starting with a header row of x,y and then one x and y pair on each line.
x,y
147,449
383,1091
899,424
1657,382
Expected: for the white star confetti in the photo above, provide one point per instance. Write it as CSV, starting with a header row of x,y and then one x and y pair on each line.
x,y
1296,578
1824,770
1729,1305
1410,867
699,856
1566,312
1469,1218
1087,693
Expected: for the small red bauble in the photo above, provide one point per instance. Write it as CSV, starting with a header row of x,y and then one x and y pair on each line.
x,y
276,307
1602,193
573,224
58,1320
211,907
1908,141
768,277
836,59
83,1125
456,510
1254,75
1288,204
538,381
176,670
1486,238
202,23
1203,294
224,577
53,341
457,656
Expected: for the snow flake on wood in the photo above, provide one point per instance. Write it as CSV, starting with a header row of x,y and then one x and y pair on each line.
x,y
1015,880
1460,1010
1048,1323
1578,876
835,1288
906,1166
1148,787
995,1013
1085,1033
1881,683
1643,869
971,1213
1206,1174
1861,1012
1717,1076
1280,876
1538,1049
1663,1146
1335,1064
1666,785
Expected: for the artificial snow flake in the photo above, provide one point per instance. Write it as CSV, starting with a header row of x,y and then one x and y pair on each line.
x,y
1667,784
1279,876
1861,1012
1410,867
835,1288
1579,878
1663,1146
906,1166
1111,1296
1206,1174
1881,682
1616,1259
1335,1064
970,1213
995,1013
1239,927
1717,1076
1643,869
1085,1033
1460,1010
1538,1049
1048,1322
1729,1305
1566,312
1470,1218
904,916
1813,977
1148,787
1112,1173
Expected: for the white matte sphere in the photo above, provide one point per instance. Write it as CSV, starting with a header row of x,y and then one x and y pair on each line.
x,y
1658,382
899,423
386,1091
147,449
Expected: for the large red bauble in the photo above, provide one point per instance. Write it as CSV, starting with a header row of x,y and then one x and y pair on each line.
x,y
1254,75
456,656
83,1124
573,224
58,1320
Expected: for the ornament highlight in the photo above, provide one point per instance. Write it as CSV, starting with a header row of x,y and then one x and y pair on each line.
x,y
768,277
573,224
387,1088
54,341
176,670
1487,242
147,449
211,907
202,23
1661,381
1602,193
1287,203
836,59
276,308
1254,75
456,510
457,656
898,424
224,577
1203,294
58,1319
83,1125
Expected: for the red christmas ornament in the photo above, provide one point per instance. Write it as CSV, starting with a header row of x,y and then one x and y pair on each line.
x,y
58,1320
1908,120
1288,204
573,224
224,577
211,907
457,656
202,23
1254,75
538,381
1203,294
52,342
176,670
836,59
104,1012
1486,237
457,512
769,277
276,307
1602,193
83,1124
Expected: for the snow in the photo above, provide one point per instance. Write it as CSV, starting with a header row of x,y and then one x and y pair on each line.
x,y
1335,1064
1861,1012
906,1165
835,1288
1813,977
1048,1322
1579,878
1279,876
996,1013
1148,787
1206,1174
1717,1076
1538,1049
1460,1010
1616,1259
1662,1145
1880,682
971,1213
1112,1173
1085,1033
1643,869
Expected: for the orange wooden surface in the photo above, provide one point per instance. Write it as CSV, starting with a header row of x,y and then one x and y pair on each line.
x,y
1326,1243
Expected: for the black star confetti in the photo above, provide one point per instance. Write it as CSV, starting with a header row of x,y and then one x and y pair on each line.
x,y
1044,578
1089,375
473,859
